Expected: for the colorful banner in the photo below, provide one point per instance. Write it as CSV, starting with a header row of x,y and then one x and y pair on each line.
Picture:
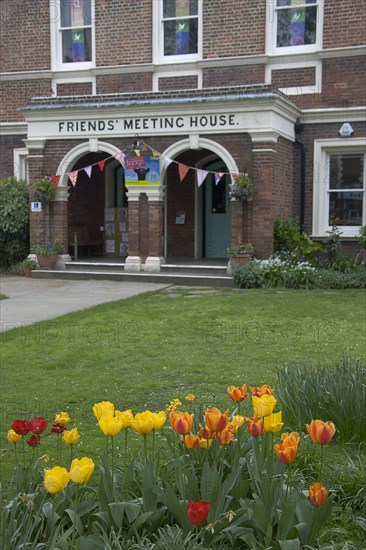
x,y
77,16
182,37
78,45
143,170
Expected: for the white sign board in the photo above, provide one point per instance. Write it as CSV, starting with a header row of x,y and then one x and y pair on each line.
x,y
36,207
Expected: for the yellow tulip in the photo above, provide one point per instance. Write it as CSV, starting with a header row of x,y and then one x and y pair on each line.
x,y
205,443
125,417
71,437
159,419
56,479
101,408
237,421
273,422
190,397
143,423
110,425
81,470
13,437
263,406
62,418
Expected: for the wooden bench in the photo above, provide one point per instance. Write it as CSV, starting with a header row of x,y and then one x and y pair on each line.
x,y
79,236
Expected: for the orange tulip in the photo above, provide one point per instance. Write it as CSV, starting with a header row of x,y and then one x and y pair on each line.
x,y
237,394
216,421
263,390
287,449
321,432
318,494
181,422
191,441
204,432
255,426
225,437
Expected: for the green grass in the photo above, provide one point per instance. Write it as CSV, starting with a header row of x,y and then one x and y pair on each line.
x,y
3,297
144,351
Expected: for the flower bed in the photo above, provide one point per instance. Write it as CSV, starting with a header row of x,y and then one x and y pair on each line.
x,y
216,479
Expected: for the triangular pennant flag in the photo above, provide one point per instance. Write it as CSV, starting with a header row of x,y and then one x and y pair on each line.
x,y
121,157
88,170
73,176
218,176
233,175
201,175
101,164
167,160
183,169
56,180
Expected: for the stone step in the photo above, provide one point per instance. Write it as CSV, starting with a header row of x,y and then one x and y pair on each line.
x,y
178,278
118,267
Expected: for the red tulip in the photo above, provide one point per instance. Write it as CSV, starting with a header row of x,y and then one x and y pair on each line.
x,y
58,428
197,512
237,393
255,426
21,427
38,425
318,494
34,440
321,432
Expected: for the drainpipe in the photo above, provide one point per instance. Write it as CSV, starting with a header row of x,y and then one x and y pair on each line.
x,y
298,129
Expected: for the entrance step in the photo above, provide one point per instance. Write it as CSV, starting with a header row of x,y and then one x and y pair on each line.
x,y
206,269
175,278
110,267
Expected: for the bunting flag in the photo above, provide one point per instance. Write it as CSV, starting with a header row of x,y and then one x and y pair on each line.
x,y
168,160
121,157
201,175
218,176
56,180
73,176
88,170
101,164
183,169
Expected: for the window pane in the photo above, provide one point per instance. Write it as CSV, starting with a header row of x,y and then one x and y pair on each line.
x,y
180,8
218,205
296,26
75,13
345,208
346,172
181,37
76,46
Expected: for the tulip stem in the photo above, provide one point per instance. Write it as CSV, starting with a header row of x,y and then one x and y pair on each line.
x,y
23,442
145,447
16,454
126,441
196,536
112,440
321,460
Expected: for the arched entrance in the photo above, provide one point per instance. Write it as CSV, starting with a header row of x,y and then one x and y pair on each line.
x,y
197,217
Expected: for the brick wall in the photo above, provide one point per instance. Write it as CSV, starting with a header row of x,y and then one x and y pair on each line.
x,y
293,77
17,94
233,75
121,83
74,88
178,83
344,23
7,145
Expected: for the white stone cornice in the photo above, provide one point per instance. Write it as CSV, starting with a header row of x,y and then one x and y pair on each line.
x,y
152,193
34,143
13,128
326,116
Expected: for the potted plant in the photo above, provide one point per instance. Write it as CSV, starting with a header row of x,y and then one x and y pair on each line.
x,y
44,190
241,187
47,254
240,254
24,268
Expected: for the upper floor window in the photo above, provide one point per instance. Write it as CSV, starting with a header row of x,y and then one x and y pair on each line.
x,y
178,30
294,25
72,33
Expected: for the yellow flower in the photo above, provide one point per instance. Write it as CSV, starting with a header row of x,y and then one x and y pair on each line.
x,y
190,397
173,405
110,425
71,437
205,443
263,406
237,422
143,423
13,437
125,417
81,470
101,408
62,418
56,479
273,422
159,419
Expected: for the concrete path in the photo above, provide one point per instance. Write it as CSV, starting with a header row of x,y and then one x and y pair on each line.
x,y
32,300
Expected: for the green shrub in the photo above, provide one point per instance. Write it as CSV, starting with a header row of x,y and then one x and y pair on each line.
x,y
362,236
14,221
336,394
285,231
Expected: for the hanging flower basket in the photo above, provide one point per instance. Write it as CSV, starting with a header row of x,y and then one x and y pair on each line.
x,y
241,187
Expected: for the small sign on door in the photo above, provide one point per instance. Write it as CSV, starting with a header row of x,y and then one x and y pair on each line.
x,y
36,207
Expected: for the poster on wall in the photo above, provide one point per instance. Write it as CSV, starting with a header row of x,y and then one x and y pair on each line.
x,y
109,246
123,249
144,170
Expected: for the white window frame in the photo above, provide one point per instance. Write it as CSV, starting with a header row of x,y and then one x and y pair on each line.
x,y
158,37
20,160
322,150
56,41
271,30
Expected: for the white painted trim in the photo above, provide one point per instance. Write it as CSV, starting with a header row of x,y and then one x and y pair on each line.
x,y
20,163
55,40
176,73
315,88
158,38
322,147
74,80
271,32
326,116
13,128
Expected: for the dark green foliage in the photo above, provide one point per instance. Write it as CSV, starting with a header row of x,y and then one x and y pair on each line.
x,y
14,221
336,394
284,234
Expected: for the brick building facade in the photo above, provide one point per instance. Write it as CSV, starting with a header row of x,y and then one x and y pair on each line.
x,y
259,86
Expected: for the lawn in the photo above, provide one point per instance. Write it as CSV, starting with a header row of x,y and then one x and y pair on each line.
x,y
145,351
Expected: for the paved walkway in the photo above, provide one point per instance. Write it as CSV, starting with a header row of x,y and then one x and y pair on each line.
x,y
32,300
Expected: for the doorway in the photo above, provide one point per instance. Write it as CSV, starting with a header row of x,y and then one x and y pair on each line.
x,y
216,212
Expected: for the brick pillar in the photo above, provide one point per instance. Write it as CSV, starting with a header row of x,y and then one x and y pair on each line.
x,y
60,223
133,260
143,227
156,228
237,222
39,221
263,199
